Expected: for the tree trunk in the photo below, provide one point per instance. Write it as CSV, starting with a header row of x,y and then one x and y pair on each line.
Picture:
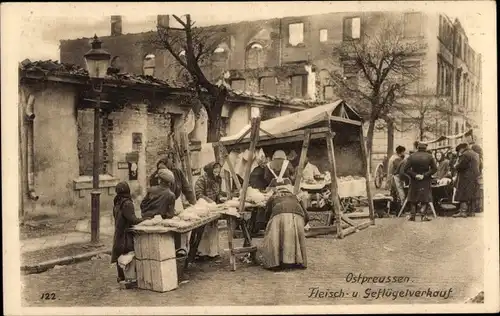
x,y
421,127
390,140
369,142
213,133
214,115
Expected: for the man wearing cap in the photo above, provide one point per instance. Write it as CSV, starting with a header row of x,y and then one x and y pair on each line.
x,y
419,168
468,177
160,200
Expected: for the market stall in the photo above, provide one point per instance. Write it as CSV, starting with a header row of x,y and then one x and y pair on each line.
x,y
156,263
333,131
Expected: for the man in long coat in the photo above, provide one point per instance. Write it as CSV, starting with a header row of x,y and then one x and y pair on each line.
x,y
419,168
468,177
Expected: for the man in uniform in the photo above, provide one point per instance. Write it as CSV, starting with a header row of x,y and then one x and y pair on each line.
x,y
419,168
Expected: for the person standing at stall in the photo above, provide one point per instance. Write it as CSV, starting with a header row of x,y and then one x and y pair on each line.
x,y
159,199
257,176
279,171
180,185
395,183
208,187
124,216
284,244
468,177
154,180
443,165
419,168
479,202
310,171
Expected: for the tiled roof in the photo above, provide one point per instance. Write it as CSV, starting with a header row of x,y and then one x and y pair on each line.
x,y
54,68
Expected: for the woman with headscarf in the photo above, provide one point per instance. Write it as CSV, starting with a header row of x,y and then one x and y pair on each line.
x,y
443,166
159,199
279,171
284,244
257,176
208,187
124,215
181,185
154,180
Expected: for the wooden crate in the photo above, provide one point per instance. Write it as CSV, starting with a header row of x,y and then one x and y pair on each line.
x,y
152,246
158,276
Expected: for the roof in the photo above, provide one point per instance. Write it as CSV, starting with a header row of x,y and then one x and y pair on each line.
x,y
299,120
273,99
54,68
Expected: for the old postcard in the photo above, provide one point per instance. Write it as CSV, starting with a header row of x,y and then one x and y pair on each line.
x,y
249,158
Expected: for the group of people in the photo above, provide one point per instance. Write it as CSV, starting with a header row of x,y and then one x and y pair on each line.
x,y
284,241
419,169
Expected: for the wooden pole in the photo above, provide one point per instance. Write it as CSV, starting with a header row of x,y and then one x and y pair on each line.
x,y
364,158
334,184
187,158
254,138
303,156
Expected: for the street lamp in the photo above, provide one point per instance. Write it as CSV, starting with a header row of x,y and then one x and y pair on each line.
x,y
97,60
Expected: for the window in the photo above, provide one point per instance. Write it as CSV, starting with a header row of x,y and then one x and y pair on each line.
x,y
267,85
295,33
328,93
412,24
298,86
238,84
148,65
459,46
323,35
254,56
352,28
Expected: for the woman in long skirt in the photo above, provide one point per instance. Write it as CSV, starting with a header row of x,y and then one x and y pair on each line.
x,y
208,187
284,244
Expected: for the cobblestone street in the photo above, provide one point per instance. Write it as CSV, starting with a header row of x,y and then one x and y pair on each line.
x,y
394,247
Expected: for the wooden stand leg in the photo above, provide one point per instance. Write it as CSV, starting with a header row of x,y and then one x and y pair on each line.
x,y
194,242
230,232
403,207
431,205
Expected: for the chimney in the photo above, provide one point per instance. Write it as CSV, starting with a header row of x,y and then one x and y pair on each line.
x,y
116,25
163,21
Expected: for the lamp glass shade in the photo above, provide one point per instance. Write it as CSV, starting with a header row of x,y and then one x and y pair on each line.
x,y
97,68
97,60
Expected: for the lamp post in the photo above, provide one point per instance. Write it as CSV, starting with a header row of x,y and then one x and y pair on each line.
x,y
97,61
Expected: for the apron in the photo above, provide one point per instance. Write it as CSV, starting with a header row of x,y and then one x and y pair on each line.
x,y
278,179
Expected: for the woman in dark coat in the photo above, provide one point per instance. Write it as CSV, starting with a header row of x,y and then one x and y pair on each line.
x,y
124,215
479,201
468,176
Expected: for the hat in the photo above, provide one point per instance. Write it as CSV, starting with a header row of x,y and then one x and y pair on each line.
x,y
461,146
166,175
286,187
422,145
279,154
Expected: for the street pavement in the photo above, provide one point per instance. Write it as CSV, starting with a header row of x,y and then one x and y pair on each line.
x,y
444,254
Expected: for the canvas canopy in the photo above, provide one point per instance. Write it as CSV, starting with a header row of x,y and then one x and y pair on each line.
x,y
298,120
451,137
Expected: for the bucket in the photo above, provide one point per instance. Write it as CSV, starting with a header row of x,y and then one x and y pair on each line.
x,y
181,261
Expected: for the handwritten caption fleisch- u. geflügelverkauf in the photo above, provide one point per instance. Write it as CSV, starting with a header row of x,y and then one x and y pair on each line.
x,y
371,293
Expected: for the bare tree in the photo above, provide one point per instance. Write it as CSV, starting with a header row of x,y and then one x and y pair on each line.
x,y
381,68
191,47
425,111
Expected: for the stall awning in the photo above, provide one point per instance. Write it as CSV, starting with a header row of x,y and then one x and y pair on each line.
x,y
457,136
298,120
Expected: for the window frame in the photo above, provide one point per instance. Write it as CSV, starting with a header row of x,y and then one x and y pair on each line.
x,y
303,33
326,35
405,22
303,86
350,37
